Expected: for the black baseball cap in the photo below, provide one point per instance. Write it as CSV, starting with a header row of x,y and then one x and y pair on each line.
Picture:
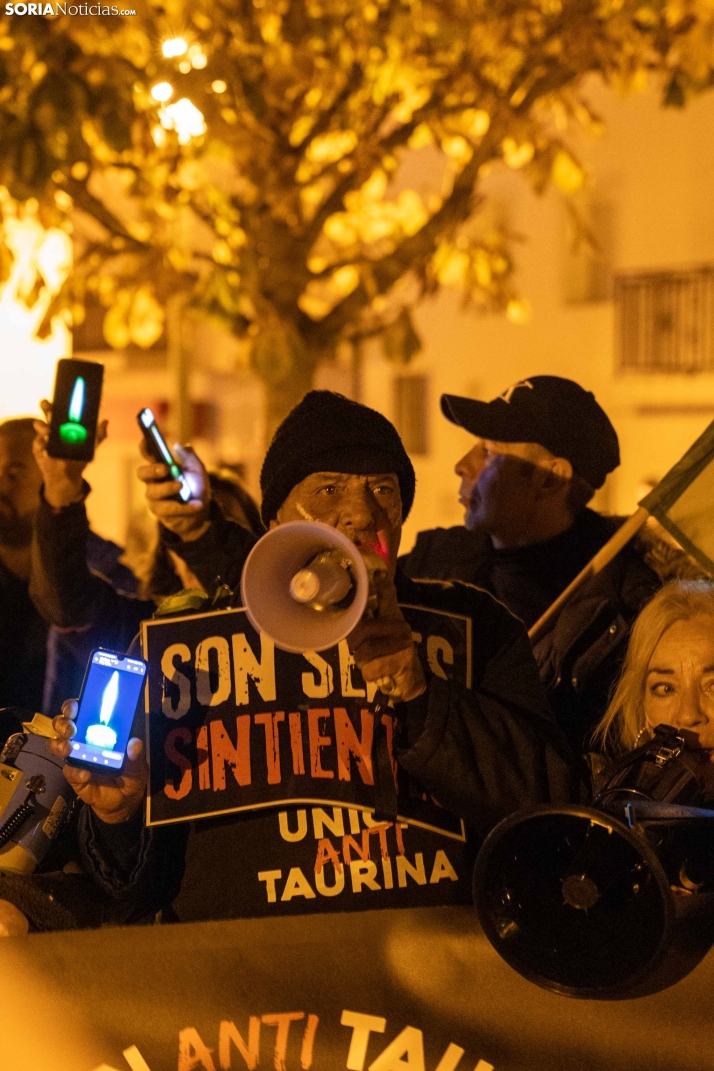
x,y
554,412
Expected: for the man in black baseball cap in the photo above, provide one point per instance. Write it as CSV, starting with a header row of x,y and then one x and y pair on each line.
x,y
542,449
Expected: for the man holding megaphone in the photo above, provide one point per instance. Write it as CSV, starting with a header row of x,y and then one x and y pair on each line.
x,y
467,737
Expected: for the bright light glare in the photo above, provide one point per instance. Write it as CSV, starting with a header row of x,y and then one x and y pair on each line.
x,y
197,57
27,362
54,258
162,91
175,46
219,86
185,118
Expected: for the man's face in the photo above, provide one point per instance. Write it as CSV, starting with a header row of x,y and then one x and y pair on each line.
x,y
367,509
497,486
20,482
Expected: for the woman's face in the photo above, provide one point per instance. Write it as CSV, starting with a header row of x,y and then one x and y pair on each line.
x,y
679,687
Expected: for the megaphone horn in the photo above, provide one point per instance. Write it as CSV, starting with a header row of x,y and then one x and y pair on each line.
x,y
305,585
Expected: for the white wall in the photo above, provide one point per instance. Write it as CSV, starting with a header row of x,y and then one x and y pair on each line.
x,y
654,166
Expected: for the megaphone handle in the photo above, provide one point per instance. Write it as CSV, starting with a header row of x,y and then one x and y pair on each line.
x,y
385,790
380,703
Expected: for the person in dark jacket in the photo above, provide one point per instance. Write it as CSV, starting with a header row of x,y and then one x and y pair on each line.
x,y
37,669
38,663
473,737
542,449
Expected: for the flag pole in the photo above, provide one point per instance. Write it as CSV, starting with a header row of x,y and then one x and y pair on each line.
x,y
604,556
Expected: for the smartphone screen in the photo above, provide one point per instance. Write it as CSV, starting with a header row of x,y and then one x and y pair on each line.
x,y
110,695
75,409
160,451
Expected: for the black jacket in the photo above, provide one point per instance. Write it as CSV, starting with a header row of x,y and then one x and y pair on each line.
x,y
39,667
71,596
580,655
482,751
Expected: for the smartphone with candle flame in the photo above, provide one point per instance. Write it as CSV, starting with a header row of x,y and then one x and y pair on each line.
x,y
107,705
75,409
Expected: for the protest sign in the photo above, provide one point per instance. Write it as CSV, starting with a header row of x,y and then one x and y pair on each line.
x,y
415,990
683,501
236,724
284,742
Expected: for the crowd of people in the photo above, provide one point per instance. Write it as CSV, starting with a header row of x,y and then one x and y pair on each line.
x,y
514,727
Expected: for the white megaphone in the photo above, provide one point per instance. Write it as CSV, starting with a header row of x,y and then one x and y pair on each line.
x,y
305,585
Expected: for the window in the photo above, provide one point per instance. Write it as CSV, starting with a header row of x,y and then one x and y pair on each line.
x,y
410,412
665,321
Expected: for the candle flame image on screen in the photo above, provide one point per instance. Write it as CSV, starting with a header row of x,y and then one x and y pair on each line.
x,y
76,405
73,431
102,735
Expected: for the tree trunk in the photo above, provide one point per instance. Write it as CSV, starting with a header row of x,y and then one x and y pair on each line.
x,y
284,395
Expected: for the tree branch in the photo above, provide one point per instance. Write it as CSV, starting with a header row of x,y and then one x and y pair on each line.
x,y
98,210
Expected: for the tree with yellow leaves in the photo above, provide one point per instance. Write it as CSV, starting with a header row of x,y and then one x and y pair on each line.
x,y
250,153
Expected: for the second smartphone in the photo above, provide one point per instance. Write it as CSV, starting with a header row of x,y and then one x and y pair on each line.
x,y
157,447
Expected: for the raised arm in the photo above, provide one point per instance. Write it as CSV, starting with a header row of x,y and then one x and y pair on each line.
x,y
213,548
62,587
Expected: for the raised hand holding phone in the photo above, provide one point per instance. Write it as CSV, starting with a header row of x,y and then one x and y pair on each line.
x,y
185,518
157,448
110,695
63,478
104,766
113,799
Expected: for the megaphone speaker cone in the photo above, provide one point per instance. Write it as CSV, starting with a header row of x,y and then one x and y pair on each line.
x,y
573,900
276,586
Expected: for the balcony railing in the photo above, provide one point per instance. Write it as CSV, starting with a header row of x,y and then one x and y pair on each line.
x,y
665,321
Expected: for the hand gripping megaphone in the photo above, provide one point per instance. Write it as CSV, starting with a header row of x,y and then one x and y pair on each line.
x,y
305,585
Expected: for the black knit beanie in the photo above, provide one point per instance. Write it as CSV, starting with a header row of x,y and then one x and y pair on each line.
x,y
327,432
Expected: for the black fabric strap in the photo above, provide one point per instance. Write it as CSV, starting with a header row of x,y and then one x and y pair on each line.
x,y
385,790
